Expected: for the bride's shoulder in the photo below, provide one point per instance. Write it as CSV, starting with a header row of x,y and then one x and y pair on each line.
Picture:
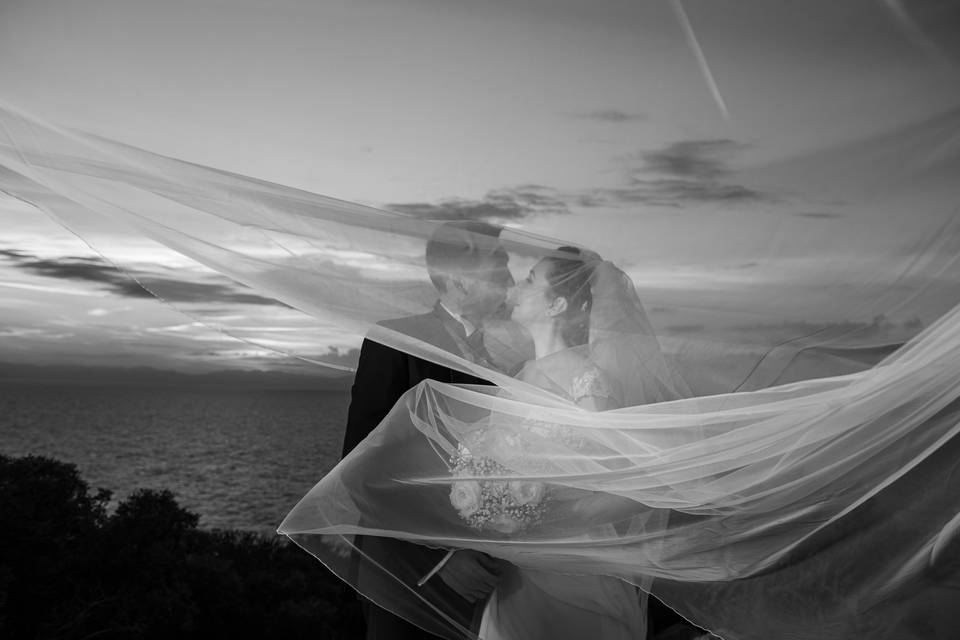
x,y
562,365
572,372
576,363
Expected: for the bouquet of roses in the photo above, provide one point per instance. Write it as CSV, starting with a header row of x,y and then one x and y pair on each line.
x,y
506,506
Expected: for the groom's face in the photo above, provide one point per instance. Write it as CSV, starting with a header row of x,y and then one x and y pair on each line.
x,y
485,286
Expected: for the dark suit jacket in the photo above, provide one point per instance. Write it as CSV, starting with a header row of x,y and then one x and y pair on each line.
x,y
383,375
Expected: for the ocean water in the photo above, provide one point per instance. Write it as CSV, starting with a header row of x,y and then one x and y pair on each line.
x,y
240,459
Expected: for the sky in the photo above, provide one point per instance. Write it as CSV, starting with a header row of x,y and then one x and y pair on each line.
x,y
680,139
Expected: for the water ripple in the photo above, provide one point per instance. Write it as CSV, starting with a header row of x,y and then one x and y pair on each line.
x,y
240,459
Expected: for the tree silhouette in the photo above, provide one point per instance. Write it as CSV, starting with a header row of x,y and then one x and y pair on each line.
x,y
70,570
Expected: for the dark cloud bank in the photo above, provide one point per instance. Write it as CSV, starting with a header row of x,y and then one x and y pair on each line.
x,y
679,174
692,171
139,285
513,203
614,116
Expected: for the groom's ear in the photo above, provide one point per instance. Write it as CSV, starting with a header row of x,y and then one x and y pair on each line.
x,y
557,307
457,283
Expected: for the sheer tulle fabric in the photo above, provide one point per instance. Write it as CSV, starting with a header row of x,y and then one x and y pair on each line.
x,y
799,483
778,501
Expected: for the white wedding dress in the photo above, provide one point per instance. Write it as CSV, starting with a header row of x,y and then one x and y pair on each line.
x,y
540,605
530,604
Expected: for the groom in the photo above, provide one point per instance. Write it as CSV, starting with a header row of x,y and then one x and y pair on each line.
x,y
468,267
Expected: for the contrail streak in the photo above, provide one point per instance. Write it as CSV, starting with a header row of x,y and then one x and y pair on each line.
x,y
911,30
701,59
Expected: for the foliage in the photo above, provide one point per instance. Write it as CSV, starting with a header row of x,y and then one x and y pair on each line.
x,y
70,570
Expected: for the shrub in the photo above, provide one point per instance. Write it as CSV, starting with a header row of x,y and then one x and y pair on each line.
x,y
68,570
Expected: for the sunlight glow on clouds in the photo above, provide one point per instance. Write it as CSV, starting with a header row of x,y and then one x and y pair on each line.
x,y
104,318
587,123
45,288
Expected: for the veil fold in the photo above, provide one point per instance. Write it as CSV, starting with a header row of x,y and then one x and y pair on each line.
x,y
783,461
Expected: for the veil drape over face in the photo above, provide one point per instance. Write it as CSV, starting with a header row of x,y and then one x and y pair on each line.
x,y
780,370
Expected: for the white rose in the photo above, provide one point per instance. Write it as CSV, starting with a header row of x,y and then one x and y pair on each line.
x,y
465,497
526,492
504,524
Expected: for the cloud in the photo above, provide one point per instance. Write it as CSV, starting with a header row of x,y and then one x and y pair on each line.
x,y
13,254
32,332
692,159
259,356
87,269
340,357
681,173
145,286
611,115
675,193
817,215
25,286
181,291
503,205
678,174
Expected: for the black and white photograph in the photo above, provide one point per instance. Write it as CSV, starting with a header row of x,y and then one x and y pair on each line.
x,y
480,320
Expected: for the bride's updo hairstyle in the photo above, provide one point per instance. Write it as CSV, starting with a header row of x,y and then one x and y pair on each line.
x,y
569,278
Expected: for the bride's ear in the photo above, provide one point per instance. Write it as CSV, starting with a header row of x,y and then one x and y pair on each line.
x,y
557,307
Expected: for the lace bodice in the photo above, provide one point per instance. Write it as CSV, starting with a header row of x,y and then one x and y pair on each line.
x,y
589,384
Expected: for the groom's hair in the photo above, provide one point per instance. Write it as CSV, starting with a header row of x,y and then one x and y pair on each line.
x,y
460,247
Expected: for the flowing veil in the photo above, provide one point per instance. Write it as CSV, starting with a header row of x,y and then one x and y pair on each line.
x,y
782,461
781,495
744,508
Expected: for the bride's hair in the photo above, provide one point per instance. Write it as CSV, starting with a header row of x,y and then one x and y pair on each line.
x,y
569,278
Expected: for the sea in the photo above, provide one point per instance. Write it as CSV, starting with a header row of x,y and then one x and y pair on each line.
x,y
240,459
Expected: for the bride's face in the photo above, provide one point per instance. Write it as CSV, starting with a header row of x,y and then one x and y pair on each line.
x,y
531,298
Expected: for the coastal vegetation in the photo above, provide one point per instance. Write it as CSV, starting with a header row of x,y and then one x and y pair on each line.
x,y
71,569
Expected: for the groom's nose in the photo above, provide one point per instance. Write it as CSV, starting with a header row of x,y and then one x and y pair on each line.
x,y
502,278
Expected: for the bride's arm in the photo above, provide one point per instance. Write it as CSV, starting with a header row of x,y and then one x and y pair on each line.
x,y
592,392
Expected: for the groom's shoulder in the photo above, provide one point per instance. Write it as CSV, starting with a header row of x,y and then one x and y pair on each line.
x,y
423,327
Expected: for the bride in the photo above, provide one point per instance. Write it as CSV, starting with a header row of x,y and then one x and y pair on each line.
x,y
553,304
